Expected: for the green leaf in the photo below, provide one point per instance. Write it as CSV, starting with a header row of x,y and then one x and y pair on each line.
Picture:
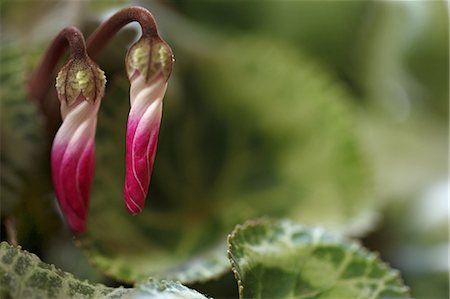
x,y
240,138
24,275
164,289
281,259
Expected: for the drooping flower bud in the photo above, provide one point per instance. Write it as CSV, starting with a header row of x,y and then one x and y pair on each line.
x,y
149,64
80,86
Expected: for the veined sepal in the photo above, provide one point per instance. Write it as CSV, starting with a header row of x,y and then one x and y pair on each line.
x,y
149,57
80,76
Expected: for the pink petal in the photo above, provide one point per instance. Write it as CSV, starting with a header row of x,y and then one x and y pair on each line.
x,y
142,138
72,160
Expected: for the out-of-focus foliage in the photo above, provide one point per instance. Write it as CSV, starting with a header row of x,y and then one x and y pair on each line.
x,y
400,56
24,174
411,228
280,108
325,29
384,50
277,141
427,57
21,130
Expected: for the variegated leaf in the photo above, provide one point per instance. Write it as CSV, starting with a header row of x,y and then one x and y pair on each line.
x,y
281,259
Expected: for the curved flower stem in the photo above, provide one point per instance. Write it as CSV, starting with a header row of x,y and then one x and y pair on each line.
x,y
43,78
100,37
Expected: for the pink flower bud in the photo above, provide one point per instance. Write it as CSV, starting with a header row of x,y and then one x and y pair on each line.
x,y
149,64
80,85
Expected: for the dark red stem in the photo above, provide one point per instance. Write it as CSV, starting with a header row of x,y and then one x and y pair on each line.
x,y
43,77
100,37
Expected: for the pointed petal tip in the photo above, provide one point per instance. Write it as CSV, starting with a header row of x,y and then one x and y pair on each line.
x,y
77,227
133,213
134,201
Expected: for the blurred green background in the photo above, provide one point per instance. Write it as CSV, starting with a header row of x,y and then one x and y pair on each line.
x,y
332,113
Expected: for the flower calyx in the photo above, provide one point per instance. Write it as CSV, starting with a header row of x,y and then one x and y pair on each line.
x,y
80,78
149,57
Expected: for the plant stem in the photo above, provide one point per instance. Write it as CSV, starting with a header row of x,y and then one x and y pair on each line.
x,y
11,232
100,37
43,76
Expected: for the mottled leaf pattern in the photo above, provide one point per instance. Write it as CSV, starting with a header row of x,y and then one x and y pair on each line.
x,y
24,275
281,259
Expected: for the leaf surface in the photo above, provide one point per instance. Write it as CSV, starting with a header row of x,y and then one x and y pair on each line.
x,y
286,260
164,289
24,275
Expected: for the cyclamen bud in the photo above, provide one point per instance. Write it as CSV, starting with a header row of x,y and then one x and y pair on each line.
x,y
80,86
149,64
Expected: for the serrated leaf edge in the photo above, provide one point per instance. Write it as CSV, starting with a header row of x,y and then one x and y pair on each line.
x,y
339,240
